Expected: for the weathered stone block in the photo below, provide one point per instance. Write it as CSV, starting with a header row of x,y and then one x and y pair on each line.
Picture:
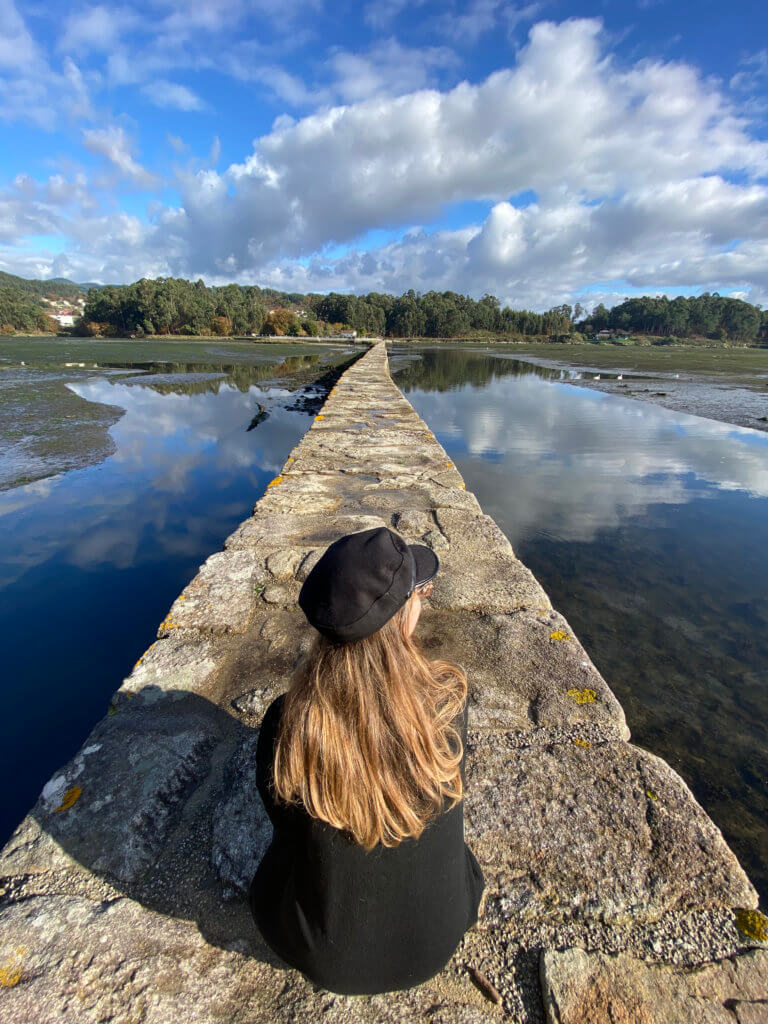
x,y
525,670
110,807
179,662
413,523
242,830
81,961
603,832
578,987
222,597
479,569
284,562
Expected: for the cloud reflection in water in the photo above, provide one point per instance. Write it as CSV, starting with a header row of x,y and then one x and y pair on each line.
x,y
576,461
178,460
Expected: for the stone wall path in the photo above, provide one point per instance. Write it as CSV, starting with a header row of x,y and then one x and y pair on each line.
x,y
610,893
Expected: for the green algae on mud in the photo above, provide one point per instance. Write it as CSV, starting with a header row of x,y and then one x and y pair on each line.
x,y
740,365
46,429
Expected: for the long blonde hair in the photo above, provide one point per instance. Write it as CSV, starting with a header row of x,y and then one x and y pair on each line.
x,y
365,740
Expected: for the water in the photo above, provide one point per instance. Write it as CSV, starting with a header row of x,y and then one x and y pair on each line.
x,y
141,477
649,531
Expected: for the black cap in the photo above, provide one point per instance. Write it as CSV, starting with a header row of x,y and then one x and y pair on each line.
x,y
361,580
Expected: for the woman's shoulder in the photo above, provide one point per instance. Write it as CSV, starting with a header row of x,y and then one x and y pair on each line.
x,y
271,717
274,709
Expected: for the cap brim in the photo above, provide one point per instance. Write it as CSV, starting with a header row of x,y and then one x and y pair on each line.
x,y
426,561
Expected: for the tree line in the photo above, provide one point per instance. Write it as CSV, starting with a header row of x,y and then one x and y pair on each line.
x,y
706,316
164,306
176,306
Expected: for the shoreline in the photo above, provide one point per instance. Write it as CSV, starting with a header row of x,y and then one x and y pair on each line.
x,y
735,396
737,404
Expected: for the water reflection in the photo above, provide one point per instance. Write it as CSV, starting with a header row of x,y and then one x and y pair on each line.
x,y
46,428
90,560
164,443
443,369
197,378
584,460
649,530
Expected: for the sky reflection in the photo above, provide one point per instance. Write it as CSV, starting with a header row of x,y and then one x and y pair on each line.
x,y
583,460
649,531
168,445
91,560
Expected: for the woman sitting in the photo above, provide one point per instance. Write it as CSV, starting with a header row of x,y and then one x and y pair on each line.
x,y
368,884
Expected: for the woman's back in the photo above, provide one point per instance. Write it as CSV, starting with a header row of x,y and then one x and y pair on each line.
x,y
368,885
355,921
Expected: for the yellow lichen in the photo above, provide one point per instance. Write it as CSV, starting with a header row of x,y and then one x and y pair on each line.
x,y
320,416
69,799
168,624
181,598
559,634
138,663
651,795
463,486
275,482
752,923
10,974
582,743
582,696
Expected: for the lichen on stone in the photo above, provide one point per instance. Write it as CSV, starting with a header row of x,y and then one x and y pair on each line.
x,y
752,923
11,971
70,798
275,482
651,795
582,743
559,634
586,696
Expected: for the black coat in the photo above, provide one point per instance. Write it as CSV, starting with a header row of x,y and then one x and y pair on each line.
x,y
355,922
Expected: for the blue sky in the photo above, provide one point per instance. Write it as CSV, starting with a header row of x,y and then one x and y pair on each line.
x,y
546,152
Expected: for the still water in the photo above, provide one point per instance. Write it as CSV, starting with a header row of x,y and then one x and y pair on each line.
x,y
139,472
649,531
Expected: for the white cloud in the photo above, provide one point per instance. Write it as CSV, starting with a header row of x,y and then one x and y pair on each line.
x,y
754,74
114,144
590,492
563,123
30,88
172,95
628,167
359,76
381,13
17,47
95,29
479,17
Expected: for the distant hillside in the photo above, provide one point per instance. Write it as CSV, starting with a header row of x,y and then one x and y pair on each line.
x,y
57,287
33,306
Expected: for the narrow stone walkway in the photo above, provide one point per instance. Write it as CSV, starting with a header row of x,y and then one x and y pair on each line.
x,y
611,894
